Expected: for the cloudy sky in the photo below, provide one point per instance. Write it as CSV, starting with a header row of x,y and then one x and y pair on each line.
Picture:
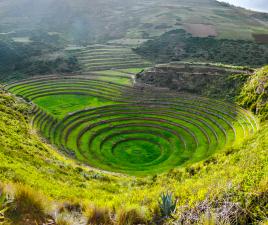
x,y
260,5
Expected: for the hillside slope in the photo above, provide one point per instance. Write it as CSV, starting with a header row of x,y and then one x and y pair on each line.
x,y
120,19
235,180
254,95
177,45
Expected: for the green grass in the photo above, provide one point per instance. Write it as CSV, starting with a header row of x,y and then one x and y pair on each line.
x,y
119,76
132,70
61,105
254,93
110,72
118,80
119,128
238,173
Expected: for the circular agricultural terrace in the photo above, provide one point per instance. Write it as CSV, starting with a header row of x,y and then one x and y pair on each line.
x,y
140,131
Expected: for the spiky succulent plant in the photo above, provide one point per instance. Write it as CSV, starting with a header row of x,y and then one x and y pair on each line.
x,y
167,205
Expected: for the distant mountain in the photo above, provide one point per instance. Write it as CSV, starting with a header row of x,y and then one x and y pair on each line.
x,y
106,20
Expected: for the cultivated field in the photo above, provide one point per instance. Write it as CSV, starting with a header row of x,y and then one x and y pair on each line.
x,y
201,30
104,57
133,130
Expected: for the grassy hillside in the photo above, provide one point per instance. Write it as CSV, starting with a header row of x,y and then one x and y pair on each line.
x,y
130,21
231,185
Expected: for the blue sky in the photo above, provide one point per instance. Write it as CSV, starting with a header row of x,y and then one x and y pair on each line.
x,y
260,5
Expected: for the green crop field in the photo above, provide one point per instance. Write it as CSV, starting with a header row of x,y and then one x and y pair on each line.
x,y
123,128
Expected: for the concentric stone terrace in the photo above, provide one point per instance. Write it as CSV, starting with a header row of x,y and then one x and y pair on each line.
x,y
135,130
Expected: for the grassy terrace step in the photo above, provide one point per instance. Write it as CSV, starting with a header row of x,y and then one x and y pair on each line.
x,y
152,111
79,78
184,121
81,86
111,53
107,55
106,50
132,130
114,63
31,89
205,112
105,58
89,119
40,85
117,66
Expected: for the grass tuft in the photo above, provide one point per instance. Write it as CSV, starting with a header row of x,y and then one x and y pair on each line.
x,y
28,206
130,217
98,216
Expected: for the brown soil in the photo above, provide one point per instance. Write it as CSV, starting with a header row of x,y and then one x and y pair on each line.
x,y
261,38
201,30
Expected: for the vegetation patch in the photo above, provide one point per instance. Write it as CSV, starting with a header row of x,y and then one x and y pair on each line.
x,y
254,94
128,129
19,60
177,45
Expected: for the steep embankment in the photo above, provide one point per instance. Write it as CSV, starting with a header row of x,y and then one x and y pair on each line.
x,y
232,186
254,94
210,80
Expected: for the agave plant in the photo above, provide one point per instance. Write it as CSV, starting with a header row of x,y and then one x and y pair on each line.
x,y
167,205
